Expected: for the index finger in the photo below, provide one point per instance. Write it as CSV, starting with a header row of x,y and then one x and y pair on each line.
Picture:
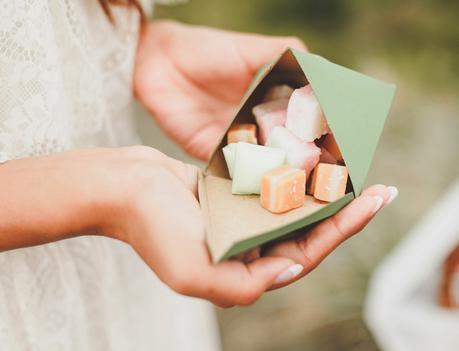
x,y
311,249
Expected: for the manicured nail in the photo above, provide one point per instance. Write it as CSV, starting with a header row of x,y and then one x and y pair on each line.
x,y
393,194
378,203
287,275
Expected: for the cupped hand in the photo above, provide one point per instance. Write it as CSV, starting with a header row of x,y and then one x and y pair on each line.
x,y
192,79
162,221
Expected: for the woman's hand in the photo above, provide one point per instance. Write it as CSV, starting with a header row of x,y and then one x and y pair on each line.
x,y
134,194
163,222
141,196
164,225
192,78
313,247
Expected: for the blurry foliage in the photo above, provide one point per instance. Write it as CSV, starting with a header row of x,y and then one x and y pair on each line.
x,y
326,15
419,37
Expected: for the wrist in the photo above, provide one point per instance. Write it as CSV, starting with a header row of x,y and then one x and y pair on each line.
x,y
48,198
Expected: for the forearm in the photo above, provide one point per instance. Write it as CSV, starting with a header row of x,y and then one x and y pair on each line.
x,y
49,198
94,191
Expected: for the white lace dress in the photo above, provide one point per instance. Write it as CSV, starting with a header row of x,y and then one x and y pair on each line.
x,y
65,82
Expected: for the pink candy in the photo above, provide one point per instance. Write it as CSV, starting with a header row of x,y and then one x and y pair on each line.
x,y
267,122
268,115
300,154
305,118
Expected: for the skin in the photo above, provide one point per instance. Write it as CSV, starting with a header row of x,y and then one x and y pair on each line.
x,y
135,194
198,76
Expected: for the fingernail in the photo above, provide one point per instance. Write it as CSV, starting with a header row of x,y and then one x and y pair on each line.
x,y
287,275
393,194
378,203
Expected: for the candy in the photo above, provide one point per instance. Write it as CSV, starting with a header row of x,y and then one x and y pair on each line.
x,y
250,163
269,107
330,144
268,121
305,118
329,182
283,189
268,115
300,154
246,132
278,92
229,151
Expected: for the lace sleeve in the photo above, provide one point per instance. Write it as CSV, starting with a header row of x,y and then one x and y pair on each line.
x,y
31,86
65,76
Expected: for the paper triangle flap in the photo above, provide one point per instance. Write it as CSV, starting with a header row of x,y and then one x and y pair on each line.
x,y
355,106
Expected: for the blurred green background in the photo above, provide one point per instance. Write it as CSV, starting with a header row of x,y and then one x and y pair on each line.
x,y
414,43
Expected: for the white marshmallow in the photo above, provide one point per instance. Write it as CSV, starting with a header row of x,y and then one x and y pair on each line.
x,y
300,154
305,118
250,163
229,152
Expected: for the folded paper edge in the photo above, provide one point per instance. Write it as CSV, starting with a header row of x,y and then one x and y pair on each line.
x,y
278,233
391,89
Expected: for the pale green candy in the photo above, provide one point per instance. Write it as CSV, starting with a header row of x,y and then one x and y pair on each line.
x,y
229,151
250,163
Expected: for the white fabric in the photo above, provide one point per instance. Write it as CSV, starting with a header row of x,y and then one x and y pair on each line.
x,y
65,82
402,304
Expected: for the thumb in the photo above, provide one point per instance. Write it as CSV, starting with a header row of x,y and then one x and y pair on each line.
x,y
235,283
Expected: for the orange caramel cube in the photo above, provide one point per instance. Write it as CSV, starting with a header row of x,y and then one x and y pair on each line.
x,y
283,189
329,182
246,132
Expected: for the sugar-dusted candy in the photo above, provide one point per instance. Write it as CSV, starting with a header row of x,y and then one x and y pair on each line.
x,y
268,115
305,118
283,189
268,121
250,163
246,132
300,154
278,92
329,182
229,152
331,146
